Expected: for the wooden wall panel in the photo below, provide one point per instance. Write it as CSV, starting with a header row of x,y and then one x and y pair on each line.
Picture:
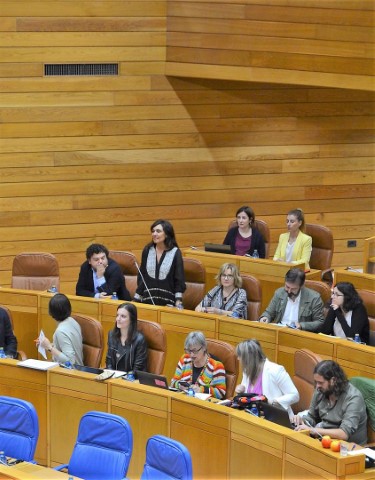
x,y
310,43
98,159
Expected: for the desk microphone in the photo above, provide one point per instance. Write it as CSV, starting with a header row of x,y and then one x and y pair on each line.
x,y
143,280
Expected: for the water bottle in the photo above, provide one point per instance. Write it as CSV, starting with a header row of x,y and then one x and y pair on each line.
x,y
68,365
293,325
180,306
130,376
2,353
53,289
235,315
255,254
191,392
357,338
114,296
3,458
254,410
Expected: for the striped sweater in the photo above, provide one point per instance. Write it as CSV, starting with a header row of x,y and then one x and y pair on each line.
x,y
211,380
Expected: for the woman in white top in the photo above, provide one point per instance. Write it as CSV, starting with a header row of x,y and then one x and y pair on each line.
x,y
294,246
263,377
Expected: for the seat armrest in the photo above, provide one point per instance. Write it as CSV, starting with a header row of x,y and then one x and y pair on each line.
x,y
327,276
61,467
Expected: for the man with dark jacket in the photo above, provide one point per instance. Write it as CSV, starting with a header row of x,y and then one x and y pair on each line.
x,y
100,276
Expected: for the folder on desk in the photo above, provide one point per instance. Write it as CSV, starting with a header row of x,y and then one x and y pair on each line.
x,y
37,364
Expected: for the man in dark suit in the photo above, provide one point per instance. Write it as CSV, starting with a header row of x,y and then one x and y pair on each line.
x,y
100,276
7,339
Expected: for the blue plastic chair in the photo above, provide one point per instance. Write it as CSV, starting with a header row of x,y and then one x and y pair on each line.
x,y
19,428
103,448
166,459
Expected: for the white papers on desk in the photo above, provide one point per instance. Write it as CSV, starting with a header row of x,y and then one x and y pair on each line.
x,y
37,364
202,396
41,349
367,451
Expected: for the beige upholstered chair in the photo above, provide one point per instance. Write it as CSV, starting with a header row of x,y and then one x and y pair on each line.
x,y
322,249
253,289
303,379
35,271
156,345
127,261
226,353
195,279
92,339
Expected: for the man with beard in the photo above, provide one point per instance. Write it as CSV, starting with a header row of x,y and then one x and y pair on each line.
x,y
100,276
295,305
337,408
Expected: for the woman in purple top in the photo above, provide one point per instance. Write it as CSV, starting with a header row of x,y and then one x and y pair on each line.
x,y
263,377
245,237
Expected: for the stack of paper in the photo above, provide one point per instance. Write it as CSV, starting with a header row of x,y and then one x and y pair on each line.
x,y
37,364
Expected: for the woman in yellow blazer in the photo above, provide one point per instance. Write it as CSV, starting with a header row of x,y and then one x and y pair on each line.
x,y
294,246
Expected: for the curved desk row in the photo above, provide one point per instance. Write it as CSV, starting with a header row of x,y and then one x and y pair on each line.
x,y
223,442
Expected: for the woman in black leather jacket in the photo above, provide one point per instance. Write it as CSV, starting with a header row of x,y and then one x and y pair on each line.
x,y
127,347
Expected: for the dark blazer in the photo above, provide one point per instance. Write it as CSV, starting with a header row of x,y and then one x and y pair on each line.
x,y
360,322
7,338
133,358
257,242
115,281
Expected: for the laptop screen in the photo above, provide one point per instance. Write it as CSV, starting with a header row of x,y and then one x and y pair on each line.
x,y
217,248
151,379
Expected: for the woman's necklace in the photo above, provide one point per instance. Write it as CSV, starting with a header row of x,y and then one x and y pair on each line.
x,y
226,296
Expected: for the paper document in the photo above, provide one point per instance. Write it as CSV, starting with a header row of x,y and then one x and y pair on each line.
x,y
41,349
202,396
37,364
367,451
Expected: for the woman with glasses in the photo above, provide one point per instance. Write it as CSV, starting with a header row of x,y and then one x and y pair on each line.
x,y
262,377
245,238
227,298
198,370
347,315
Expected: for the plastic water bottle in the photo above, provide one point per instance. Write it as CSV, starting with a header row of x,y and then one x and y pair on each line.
x,y
3,458
68,365
114,296
191,392
357,338
180,306
255,254
254,410
53,289
2,353
235,315
130,376
293,325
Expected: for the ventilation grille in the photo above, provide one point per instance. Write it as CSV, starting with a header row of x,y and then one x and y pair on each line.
x,y
81,69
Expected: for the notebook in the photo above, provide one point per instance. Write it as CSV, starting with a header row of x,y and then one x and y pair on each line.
x,y
276,414
153,380
217,248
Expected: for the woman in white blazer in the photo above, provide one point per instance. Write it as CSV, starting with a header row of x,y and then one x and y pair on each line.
x,y
263,377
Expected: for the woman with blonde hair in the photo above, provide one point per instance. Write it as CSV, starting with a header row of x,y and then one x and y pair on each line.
x,y
294,246
227,298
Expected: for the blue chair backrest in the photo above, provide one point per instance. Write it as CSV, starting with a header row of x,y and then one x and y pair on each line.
x,y
19,428
166,459
103,449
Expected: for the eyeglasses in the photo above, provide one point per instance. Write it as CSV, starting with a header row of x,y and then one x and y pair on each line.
x,y
228,277
335,294
193,352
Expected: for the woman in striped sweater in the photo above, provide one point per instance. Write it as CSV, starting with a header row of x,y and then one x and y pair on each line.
x,y
198,369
